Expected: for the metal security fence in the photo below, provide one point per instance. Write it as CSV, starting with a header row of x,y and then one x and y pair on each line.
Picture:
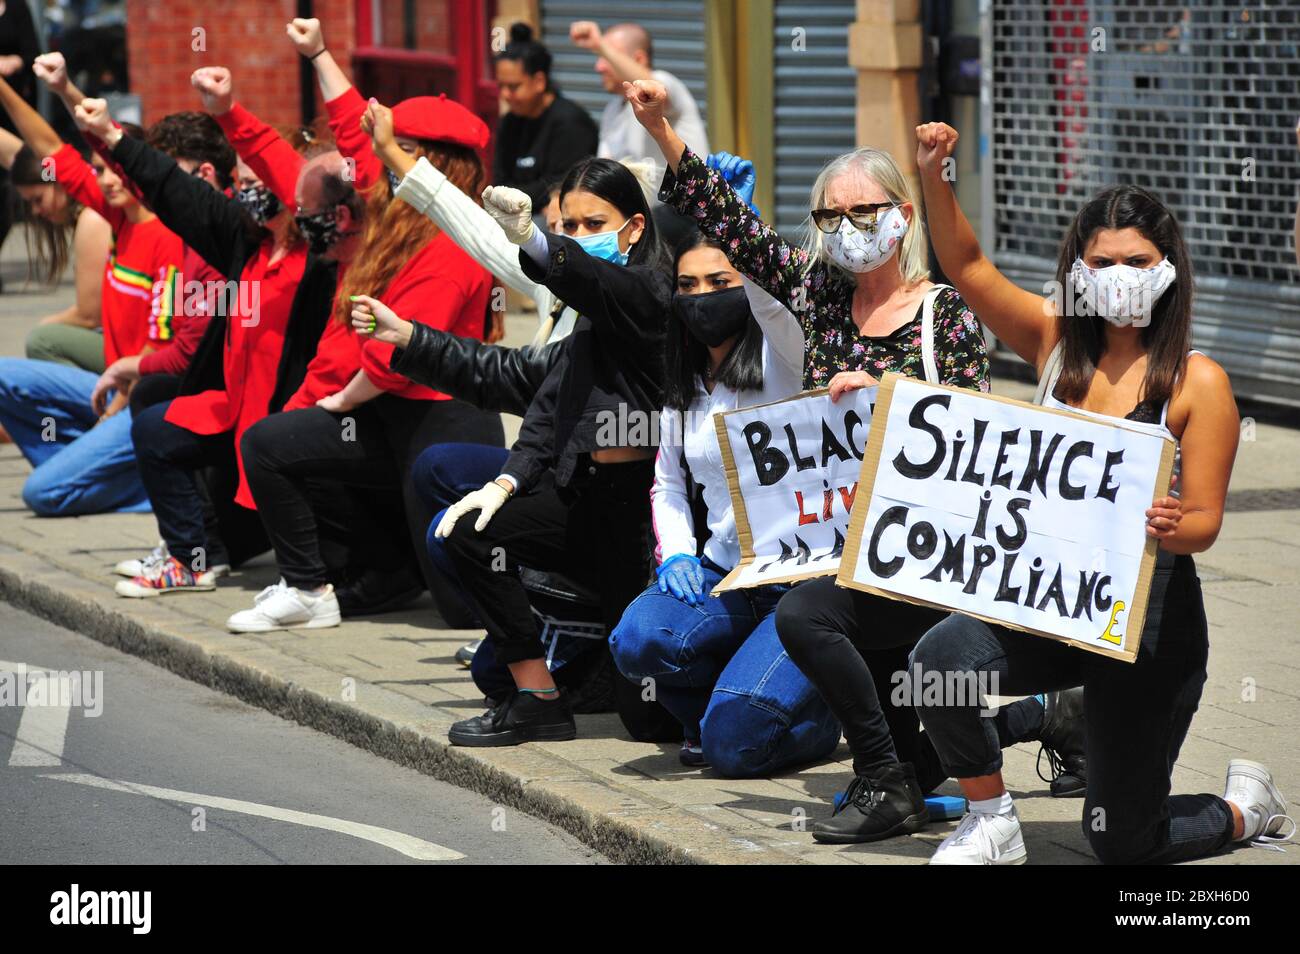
x,y
676,28
815,92
1195,100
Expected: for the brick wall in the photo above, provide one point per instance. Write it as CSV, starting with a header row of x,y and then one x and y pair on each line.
x,y
245,35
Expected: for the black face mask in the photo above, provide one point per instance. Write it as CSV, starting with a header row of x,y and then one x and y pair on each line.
x,y
261,203
320,229
393,181
715,316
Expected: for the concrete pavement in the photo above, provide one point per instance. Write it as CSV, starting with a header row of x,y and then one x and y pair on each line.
x,y
391,685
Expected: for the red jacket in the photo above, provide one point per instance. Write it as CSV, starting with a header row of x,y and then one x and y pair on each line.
x,y
255,329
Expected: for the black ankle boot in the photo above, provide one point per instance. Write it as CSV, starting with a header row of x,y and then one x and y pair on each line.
x,y
520,718
1062,737
876,806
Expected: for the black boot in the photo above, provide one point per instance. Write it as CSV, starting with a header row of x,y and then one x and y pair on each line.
x,y
378,591
520,718
1062,740
875,807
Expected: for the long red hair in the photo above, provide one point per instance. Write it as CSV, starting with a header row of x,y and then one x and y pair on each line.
x,y
395,231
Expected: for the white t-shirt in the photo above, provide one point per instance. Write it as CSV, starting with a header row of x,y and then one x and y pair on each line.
x,y
697,448
622,137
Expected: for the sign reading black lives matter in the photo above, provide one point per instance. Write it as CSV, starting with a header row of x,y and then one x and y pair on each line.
x,y
792,469
1031,517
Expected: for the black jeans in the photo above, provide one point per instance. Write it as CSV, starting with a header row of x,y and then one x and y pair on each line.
x,y
1137,717
169,458
596,530
853,647
370,448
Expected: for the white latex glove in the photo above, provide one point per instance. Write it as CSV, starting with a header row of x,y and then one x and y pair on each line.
x,y
488,500
513,211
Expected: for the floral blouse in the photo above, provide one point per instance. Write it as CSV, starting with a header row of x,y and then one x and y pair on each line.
x,y
822,299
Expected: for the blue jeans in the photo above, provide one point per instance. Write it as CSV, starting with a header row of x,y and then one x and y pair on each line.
x,y
79,466
720,669
443,473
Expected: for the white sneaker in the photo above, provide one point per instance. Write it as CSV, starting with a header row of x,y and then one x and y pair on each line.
x,y
1250,787
283,607
983,839
134,568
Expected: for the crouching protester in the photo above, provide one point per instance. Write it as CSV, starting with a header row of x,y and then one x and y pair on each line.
x,y
574,493
714,659
1122,355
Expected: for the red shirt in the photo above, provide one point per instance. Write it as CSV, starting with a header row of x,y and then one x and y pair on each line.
x,y
139,287
276,162
191,313
440,285
255,329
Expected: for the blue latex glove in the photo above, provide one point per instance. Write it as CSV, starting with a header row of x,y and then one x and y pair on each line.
x,y
682,576
737,173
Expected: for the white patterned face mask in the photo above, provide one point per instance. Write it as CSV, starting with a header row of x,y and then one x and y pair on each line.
x,y
858,250
1122,294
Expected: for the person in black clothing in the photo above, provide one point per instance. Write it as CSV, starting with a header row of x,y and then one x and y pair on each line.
x,y
574,493
543,134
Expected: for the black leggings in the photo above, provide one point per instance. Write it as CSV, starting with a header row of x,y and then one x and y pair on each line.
x,y
853,647
1137,717
370,448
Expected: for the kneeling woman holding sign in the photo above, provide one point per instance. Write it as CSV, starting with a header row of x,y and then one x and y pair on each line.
x,y
714,658
1115,344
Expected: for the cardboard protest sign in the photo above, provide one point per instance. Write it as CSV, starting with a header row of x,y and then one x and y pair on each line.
x,y
1031,517
792,469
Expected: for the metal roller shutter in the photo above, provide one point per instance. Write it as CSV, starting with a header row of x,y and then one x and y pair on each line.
x,y
676,27
815,92
1195,100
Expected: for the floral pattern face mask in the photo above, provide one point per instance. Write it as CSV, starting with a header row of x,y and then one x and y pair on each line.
x,y
1122,294
864,250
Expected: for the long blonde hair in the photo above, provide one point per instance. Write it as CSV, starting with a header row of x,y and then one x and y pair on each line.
x,y
880,168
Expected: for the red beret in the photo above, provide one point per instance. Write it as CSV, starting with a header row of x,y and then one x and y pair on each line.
x,y
439,119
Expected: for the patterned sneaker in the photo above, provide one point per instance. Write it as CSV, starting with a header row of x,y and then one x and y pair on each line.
x,y
134,568
169,575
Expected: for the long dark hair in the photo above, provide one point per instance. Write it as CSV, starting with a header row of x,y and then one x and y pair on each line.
x,y
1169,335
49,244
532,57
686,357
611,181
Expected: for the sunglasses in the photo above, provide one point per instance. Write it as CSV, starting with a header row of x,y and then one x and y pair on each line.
x,y
863,217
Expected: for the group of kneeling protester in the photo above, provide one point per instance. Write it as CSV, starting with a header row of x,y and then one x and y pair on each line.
x,y
342,406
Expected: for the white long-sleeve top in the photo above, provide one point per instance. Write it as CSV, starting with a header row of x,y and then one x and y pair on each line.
x,y
688,440
477,233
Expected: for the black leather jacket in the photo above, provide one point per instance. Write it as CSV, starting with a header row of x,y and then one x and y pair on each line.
x,y
491,377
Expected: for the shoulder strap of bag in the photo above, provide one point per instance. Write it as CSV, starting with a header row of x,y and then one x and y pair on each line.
x,y
1051,371
927,333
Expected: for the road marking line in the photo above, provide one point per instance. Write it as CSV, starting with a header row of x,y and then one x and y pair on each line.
x,y
404,844
42,730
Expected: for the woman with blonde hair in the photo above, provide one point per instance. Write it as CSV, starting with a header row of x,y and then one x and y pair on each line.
x,y
860,287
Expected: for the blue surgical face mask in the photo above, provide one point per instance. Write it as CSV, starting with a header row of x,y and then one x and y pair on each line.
x,y
604,245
